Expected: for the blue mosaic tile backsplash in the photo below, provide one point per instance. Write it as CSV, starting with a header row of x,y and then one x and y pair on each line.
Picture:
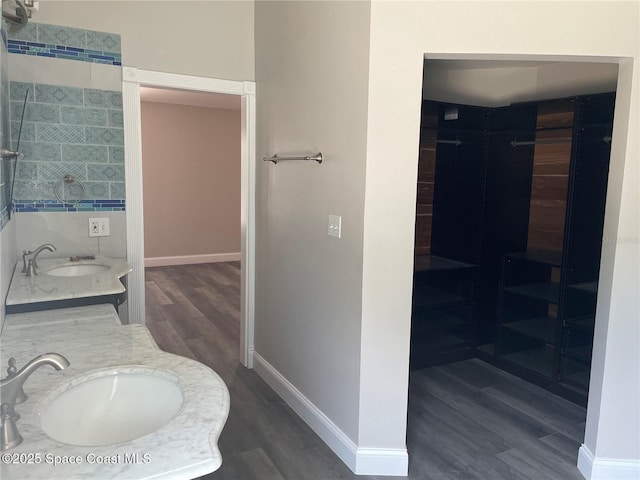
x,y
68,130
67,43
83,206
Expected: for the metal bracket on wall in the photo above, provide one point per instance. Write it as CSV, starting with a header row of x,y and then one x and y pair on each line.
x,y
9,154
275,158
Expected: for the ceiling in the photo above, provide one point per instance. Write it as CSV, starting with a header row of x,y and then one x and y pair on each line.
x,y
495,83
191,98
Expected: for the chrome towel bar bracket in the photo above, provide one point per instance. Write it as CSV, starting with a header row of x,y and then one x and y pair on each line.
x,y
9,154
275,159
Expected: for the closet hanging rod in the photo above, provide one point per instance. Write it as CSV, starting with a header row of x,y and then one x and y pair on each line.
x,y
515,143
450,142
547,141
275,158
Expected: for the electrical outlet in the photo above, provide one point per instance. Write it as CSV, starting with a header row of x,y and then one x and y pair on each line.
x,y
99,227
335,226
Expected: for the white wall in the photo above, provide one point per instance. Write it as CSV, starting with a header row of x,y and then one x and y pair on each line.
x,y
210,39
405,32
311,70
69,233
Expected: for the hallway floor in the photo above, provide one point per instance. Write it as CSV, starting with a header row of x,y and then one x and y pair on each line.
x,y
467,420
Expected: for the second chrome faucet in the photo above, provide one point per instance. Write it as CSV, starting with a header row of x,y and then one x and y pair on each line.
x,y
29,265
11,393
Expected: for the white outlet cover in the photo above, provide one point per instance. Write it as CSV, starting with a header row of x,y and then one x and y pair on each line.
x,y
99,227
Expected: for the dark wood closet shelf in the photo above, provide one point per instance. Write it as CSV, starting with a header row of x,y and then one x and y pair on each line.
x,y
545,291
540,328
437,319
590,287
431,297
584,324
547,257
577,376
581,354
429,263
441,341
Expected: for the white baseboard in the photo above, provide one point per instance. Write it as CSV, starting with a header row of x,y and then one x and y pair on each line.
x,y
606,468
362,461
191,259
382,461
251,351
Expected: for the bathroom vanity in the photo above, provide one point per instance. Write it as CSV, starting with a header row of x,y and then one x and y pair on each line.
x,y
122,408
62,283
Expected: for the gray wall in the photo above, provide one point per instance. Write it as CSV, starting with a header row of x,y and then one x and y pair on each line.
x,y
211,39
311,71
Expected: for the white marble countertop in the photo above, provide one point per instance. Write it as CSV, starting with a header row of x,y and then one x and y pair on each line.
x,y
92,338
45,288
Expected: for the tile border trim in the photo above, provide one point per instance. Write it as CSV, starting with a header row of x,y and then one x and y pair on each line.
x,y
22,47
30,206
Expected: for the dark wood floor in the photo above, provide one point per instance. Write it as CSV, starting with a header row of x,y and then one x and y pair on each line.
x,y
467,420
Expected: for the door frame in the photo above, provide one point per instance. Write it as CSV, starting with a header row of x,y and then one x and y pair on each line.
x,y
132,80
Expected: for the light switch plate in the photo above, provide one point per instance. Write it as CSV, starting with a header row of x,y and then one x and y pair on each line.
x,y
335,226
99,227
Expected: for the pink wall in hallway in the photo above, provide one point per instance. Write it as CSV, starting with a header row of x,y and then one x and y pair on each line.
x,y
191,180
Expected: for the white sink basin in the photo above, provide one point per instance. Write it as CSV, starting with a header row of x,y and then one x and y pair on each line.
x,y
79,270
111,406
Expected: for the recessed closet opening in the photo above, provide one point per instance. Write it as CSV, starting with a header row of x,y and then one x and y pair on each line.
x,y
511,189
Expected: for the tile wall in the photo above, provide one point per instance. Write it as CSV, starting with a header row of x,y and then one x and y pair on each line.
x,y
66,43
67,130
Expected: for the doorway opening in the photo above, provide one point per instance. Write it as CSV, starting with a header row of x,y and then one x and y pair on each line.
x,y
511,186
133,80
510,211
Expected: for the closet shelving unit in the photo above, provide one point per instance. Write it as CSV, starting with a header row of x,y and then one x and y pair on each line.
x,y
547,294
583,237
508,236
448,232
528,321
443,305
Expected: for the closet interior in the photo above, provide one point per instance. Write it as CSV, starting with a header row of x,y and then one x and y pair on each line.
x,y
509,222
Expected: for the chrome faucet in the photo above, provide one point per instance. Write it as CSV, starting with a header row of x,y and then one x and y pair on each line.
x,y
11,392
29,265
